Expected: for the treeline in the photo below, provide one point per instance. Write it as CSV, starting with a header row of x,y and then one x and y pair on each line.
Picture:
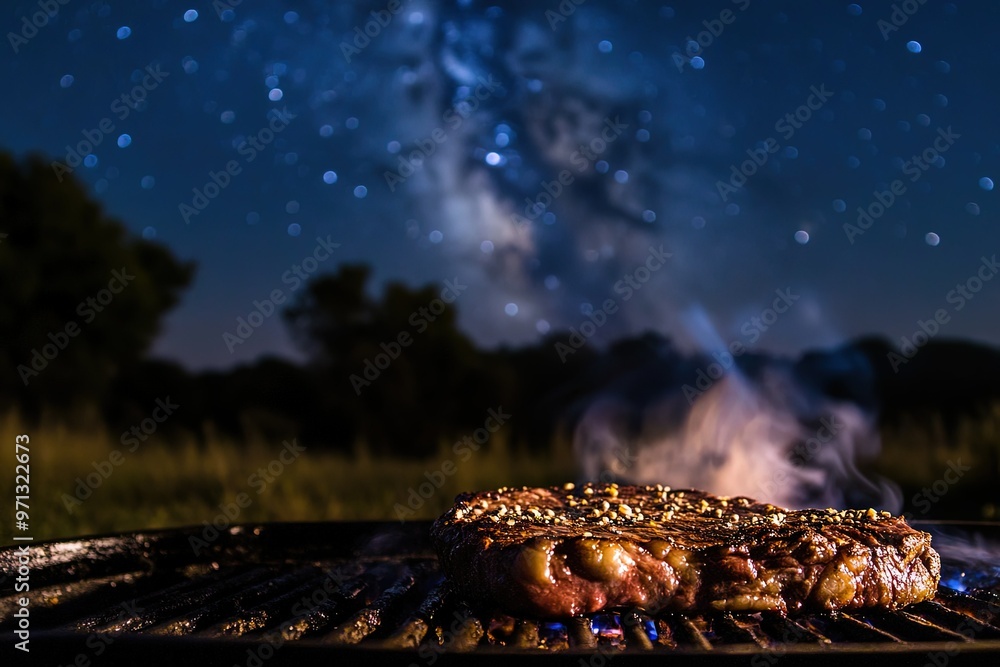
x,y
392,373
441,387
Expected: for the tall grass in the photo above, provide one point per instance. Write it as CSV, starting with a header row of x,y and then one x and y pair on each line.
x,y
921,452
168,484
919,447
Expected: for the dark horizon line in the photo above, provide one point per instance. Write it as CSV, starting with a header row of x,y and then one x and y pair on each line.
x,y
602,348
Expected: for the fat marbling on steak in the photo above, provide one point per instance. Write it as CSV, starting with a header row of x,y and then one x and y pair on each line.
x,y
562,551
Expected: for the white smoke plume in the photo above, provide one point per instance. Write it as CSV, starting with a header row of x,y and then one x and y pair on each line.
x,y
770,437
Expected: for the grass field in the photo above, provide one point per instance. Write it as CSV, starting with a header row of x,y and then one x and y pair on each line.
x,y
176,484
164,484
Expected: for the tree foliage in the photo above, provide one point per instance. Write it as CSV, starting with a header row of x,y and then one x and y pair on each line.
x,y
396,368
66,266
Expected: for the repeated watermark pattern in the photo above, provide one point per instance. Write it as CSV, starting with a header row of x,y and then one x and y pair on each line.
x,y
32,23
915,168
900,14
695,46
295,277
802,453
420,320
122,107
98,642
364,34
627,287
259,481
453,117
308,605
958,298
462,450
249,149
562,12
924,499
224,8
582,159
786,126
103,469
59,340
752,329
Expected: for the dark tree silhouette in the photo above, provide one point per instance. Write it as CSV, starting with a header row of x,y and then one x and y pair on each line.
x,y
83,299
398,373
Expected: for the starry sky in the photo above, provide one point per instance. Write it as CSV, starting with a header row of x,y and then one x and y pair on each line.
x,y
691,162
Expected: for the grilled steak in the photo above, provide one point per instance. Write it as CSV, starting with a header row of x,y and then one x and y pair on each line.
x,y
562,551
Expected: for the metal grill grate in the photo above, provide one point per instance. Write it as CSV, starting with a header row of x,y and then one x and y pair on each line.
x,y
271,590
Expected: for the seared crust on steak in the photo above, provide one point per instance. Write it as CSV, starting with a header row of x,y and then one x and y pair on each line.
x,y
563,551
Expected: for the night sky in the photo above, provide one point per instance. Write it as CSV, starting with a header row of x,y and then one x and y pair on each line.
x,y
487,106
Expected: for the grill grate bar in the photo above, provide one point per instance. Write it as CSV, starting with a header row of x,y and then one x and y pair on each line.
x,y
634,630
368,620
728,631
956,620
857,629
984,610
413,630
231,605
322,614
911,627
66,602
269,612
525,634
665,636
783,630
580,633
685,632
989,597
553,636
392,595
468,632
167,603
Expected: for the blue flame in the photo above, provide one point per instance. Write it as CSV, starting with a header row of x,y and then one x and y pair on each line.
x,y
610,626
606,625
550,631
964,577
955,582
